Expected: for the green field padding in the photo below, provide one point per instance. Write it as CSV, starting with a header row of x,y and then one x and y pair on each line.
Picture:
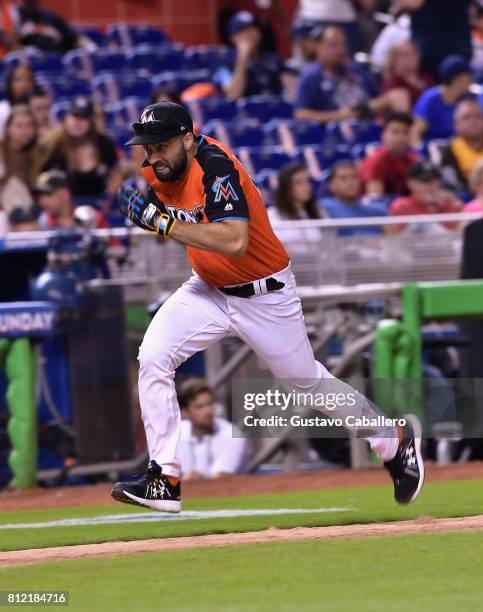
x,y
137,318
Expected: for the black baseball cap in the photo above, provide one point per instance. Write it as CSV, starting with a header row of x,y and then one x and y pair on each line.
x,y
81,106
424,171
160,122
49,181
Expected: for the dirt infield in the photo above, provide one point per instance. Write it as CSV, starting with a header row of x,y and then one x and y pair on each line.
x,y
233,486
110,549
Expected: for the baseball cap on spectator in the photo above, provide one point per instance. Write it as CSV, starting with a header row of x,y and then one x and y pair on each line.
x,y
160,122
306,29
240,21
81,106
49,181
424,171
453,66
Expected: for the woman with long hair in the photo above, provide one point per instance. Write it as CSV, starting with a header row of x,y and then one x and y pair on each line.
x,y
20,83
77,147
17,158
295,199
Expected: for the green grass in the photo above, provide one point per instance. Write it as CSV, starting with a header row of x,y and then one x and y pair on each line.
x,y
431,572
373,504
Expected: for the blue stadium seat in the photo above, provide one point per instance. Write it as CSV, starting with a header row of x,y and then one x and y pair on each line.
x,y
267,182
248,133
306,133
266,158
130,109
106,60
78,64
111,88
152,60
362,150
94,35
264,108
180,80
215,129
209,57
354,132
130,35
324,157
37,60
59,109
208,109
62,88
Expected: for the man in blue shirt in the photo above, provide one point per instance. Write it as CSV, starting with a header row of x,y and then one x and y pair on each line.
x,y
335,88
255,72
434,110
345,201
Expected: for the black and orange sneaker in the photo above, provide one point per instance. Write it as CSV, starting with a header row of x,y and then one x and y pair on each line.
x,y
407,467
153,490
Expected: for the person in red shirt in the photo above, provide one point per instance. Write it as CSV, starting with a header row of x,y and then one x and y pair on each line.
x,y
386,170
426,197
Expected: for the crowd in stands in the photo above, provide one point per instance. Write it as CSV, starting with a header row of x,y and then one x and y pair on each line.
x,y
377,112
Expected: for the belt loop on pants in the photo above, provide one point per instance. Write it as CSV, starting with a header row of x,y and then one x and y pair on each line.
x,y
258,287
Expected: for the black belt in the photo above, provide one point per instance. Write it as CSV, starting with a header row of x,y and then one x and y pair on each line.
x,y
246,291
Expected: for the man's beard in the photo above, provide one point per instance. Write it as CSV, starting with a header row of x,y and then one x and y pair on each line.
x,y
175,169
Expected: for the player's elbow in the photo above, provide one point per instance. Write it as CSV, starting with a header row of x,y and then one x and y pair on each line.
x,y
238,247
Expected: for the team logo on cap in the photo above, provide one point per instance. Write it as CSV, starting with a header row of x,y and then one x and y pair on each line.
x,y
147,115
224,189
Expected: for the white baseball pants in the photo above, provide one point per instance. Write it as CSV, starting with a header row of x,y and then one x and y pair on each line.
x,y
272,324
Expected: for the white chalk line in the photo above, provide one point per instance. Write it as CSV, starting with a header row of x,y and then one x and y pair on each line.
x,y
153,517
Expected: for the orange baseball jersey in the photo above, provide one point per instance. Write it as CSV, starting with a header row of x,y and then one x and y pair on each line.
x,y
218,188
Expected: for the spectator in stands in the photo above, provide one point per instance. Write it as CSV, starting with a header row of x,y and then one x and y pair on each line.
x,y
77,147
439,27
295,199
403,71
435,108
255,72
207,447
392,35
17,157
426,198
20,83
23,220
476,185
345,201
55,202
341,13
465,150
43,29
386,170
335,88
304,36
477,40
8,40
41,106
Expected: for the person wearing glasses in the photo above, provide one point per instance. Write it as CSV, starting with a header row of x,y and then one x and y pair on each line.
x,y
201,196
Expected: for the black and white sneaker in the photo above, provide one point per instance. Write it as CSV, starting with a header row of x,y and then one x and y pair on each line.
x,y
153,490
407,467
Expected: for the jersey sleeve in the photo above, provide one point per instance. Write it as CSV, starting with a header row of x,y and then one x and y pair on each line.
x,y
225,198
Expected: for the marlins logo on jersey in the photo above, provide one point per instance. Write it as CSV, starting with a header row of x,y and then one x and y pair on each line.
x,y
224,189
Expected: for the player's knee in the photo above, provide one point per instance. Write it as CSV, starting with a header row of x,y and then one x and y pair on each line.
x,y
155,359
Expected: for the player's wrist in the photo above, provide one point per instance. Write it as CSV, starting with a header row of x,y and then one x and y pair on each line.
x,y
166,224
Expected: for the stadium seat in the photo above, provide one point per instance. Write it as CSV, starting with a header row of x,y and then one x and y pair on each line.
x,y
360,151
105,60
151,60
111,88
62,88
38,61
77,64
353,132
305,132
264,108
209,57
59,109
248,133
180,80
130,35
321,159
265,158
94,35
267,182
207,109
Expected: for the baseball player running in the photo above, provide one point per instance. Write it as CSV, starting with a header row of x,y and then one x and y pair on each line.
x,y
201,196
